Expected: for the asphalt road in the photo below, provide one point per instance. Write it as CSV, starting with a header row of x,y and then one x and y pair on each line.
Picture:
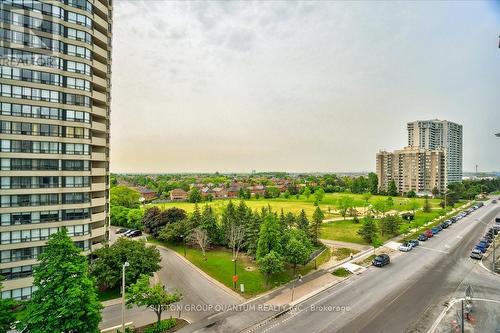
x,y
405,296
176,274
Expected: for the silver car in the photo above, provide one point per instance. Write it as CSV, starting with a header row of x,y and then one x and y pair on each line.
x,y
476,254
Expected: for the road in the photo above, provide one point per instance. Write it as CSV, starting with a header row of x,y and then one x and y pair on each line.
x,y
175,274
405,296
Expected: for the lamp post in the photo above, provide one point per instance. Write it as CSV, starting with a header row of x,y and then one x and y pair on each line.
x,y
125,264
299,278
234,276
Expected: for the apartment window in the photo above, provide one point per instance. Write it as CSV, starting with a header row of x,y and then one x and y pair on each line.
x,y
23,110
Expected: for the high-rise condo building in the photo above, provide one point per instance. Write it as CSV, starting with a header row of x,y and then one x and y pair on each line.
x,y
55,95
437,134
412,169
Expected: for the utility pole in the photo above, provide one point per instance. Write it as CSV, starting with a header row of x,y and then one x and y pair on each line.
x,y
462,325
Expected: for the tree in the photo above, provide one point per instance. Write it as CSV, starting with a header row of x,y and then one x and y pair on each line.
x,y
227,219
413,205
298,248
366,198
380,206
155,298
124,196
392,190
427,205
307,192
176,231
303,222
195,218
317,219
271,263
435,192
373,183
390,224
194,195
200,237
7,316
107,267
344,204
369,229
154,219
235,238
269,237
319,194
134,218
389,203
66,297
209,224
411,194
119,216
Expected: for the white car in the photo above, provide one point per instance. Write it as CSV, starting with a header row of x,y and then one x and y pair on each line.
x,y
405,247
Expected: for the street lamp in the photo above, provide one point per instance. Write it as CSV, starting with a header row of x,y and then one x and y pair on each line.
x,y
125,264
299,278
234,276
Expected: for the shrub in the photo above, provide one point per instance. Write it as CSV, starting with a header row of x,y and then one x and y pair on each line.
x,y
341,272
163,326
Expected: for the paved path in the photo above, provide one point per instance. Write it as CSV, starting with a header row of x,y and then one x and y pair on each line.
x,y
333,243
176,273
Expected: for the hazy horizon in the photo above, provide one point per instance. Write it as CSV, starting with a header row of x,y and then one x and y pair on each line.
x,y
298,86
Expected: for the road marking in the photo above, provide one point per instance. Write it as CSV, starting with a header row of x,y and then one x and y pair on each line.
x,y
431,249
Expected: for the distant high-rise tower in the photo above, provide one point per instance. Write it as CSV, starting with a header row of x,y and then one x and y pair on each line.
x,y
54,135
440,134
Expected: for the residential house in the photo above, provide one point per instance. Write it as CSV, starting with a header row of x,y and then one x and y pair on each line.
x,y
178,194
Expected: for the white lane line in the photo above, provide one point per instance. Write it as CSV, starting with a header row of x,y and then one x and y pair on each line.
x,y
431,249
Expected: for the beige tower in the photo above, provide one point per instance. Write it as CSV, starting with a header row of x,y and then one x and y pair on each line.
x,y
55,96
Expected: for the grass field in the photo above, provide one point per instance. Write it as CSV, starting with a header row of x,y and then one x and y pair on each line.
x,y
219,266
328,205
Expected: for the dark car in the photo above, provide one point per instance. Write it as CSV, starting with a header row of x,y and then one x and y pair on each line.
x,y
494,201
443,225
381,260
134,233
422,237
121,230
486,239
435,230
492,230
439,227
428,233
414,242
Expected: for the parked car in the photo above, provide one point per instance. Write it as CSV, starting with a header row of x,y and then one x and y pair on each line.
x,y
428,233
381,260
405,247
494,201
444,225
476,254
439,227
414,242
435,230
128,232
448,223
493,230
486,239
422,237
484,244
480,248
121,230
134,233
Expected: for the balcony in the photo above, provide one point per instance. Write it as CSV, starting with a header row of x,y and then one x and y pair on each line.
x,y
98,111
100,52
99,157
99,21
96,246
100,66
99,81
99,126
98,217
99,141
99,96
98,187
101,7
99,172
98,232
96,202
99,35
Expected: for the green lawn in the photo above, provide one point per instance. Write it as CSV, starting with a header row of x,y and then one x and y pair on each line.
x,y
219,266
343,231
342,253
341,272
294,205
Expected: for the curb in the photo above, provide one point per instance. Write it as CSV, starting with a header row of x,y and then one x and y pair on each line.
x,y
207,277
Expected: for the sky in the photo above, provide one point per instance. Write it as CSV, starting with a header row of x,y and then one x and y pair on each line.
x,y
298,86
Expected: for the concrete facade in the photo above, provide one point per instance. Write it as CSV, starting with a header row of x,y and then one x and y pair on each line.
x,y
54,139
417,169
